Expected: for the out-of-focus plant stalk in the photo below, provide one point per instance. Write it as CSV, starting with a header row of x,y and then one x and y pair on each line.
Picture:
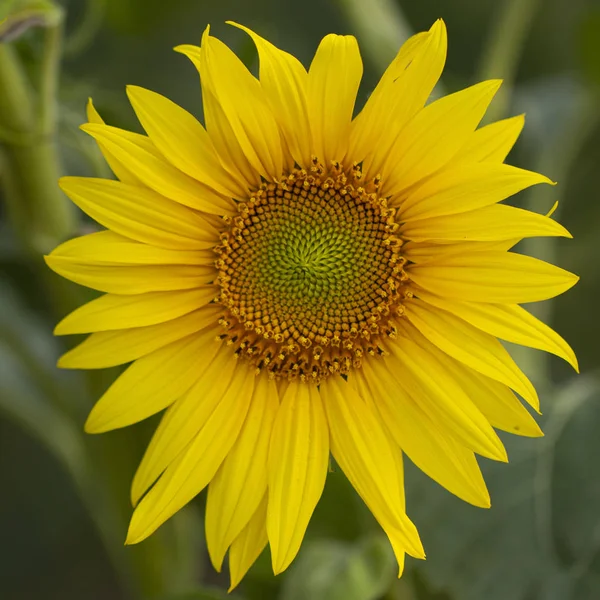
x,y
502,54
380,27
30,169
41,217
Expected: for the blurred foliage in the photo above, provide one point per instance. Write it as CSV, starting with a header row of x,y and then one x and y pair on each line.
x,y
65,502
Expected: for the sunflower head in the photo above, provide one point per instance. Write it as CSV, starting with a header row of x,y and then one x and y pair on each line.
x,y
311,273
291,282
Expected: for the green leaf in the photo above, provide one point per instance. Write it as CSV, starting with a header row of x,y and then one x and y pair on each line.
x,y
330,570
541,538
17,16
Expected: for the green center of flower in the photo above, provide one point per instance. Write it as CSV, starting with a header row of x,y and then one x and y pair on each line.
x,y
310,274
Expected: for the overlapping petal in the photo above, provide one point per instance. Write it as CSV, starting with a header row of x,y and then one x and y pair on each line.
x,y
402,91
424,440
361,447
110,348
284,81
298,460
155,172
508,322
497,277
463,188
493,142
434,136
153,382
490,224
140,213
192,470
114,311
239,486
182,140
471,346
181,423
333,80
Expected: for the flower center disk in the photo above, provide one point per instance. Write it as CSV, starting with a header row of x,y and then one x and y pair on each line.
x,y
311,274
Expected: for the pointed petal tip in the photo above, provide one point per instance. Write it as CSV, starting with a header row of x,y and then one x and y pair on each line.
x,y
206,35
96,423
60,328
64,181
64,362
136,533
495,84
133,90
216,556
438,27
92,426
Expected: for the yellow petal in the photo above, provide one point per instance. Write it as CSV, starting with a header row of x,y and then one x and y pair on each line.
x,y
400,94
112,311
424,439
509,322
111,249
471,346
361,447
297,466
193,469
496,401
153,382
244,106
219,128
110,348
154,171
333,80
440,396
434,136
182,140
139,213
241,483
284,81
419,252
492,223
465,187
216,377
122,173
131,279
248,545
493,142
497,277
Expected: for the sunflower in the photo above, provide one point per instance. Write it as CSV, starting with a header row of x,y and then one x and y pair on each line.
x,y
290,282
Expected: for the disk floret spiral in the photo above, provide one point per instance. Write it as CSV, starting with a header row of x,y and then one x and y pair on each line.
x,y
311,273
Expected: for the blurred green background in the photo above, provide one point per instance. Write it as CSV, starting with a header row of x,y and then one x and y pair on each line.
x,y
64,503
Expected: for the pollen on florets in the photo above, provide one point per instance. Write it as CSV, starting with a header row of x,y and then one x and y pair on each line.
x,y
311,274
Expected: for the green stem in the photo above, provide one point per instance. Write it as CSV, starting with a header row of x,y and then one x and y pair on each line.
x,y
16,108
36,207
504,49
49,76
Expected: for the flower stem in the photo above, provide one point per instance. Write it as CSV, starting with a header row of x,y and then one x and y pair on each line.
x,y
30,169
